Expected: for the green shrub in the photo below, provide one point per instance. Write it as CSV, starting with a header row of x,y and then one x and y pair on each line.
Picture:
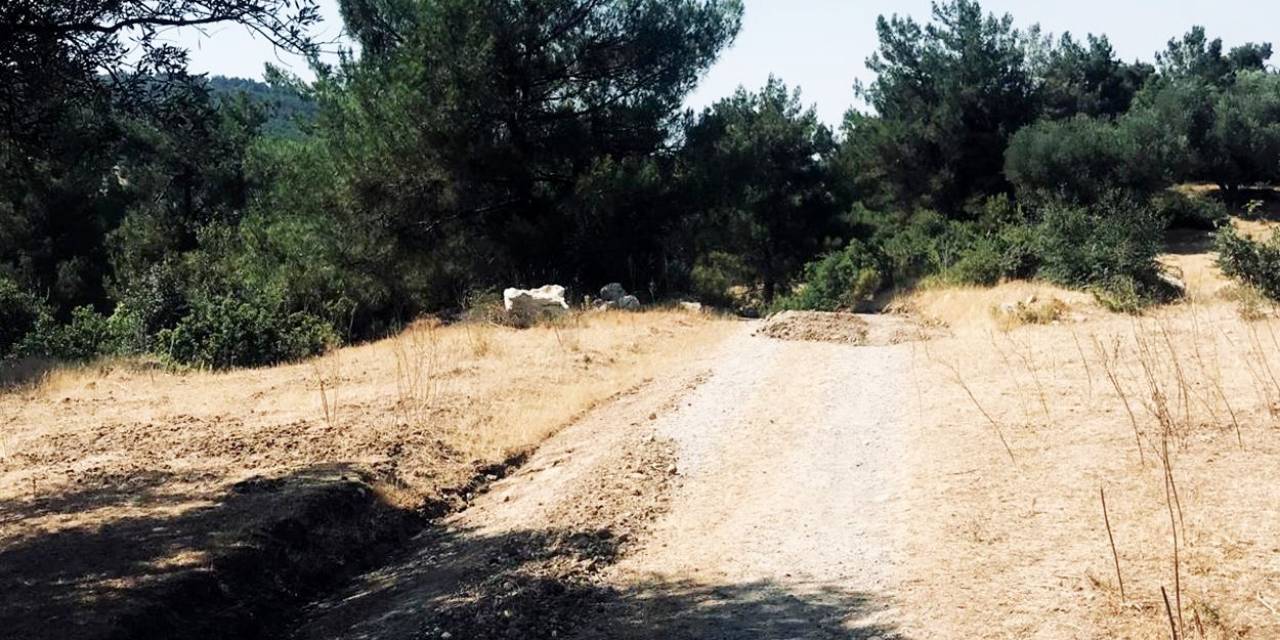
x,y
20,311
157,299
1124,294
1019,251
227,331
85,336
1254,263
1110,248
1091,246
1082,158
716,274
921,244
1189,212
982,264
839,280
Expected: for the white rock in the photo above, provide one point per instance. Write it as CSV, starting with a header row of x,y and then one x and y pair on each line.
x,y
529,303
695,307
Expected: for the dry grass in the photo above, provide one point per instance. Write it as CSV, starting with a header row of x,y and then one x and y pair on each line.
x,y
118,477
423,407
979,309
1175,416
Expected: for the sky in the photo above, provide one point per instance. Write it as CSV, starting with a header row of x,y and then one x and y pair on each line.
x,y
821,45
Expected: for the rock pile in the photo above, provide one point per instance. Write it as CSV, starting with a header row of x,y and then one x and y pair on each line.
x,y
614,296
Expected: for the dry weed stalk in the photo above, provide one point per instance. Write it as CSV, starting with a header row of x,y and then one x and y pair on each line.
x,y
959,379
1017,384
478,338
1214,376
1260,385
1173,627
4,435
1171,492
1110,371
1028,360
329,389
416,353
1265,361
1157,403
1184,389
1106,518
1084,361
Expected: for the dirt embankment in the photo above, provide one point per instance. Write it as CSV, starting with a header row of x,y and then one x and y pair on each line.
x,y
135,502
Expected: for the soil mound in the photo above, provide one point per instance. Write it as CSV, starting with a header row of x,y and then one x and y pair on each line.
x,y
816,326
846,328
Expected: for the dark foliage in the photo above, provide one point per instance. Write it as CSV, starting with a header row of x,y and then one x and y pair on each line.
x,y
473,145
1254,263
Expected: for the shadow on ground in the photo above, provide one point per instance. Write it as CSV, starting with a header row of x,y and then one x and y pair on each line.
x,y
245,563
752,611
549,583
144,560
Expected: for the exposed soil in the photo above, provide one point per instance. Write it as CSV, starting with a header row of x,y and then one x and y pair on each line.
x,y
848,492
789,515
845,328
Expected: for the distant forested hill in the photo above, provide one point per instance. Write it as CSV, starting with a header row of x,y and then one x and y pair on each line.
x,y
285,108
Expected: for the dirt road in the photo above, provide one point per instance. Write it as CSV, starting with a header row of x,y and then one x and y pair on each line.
x,y
751,495
785,520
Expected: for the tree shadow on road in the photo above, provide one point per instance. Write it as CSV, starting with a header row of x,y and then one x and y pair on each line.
x,y
750,611
552,583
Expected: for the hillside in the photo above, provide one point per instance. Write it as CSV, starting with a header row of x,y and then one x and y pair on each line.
x,y
287,111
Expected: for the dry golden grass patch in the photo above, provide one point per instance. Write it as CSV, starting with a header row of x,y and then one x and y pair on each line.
x,y
982,309
1175,416
422,409
121,482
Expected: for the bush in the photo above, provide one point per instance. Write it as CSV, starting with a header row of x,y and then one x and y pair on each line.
x,y
87,335
157,299
20,311
1083,246
226,331
1256,264
839,280
1019,251
918,245
1110,247
982,264
715,275
1189,212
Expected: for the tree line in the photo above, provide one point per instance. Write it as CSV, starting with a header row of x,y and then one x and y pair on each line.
x,y
474,145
